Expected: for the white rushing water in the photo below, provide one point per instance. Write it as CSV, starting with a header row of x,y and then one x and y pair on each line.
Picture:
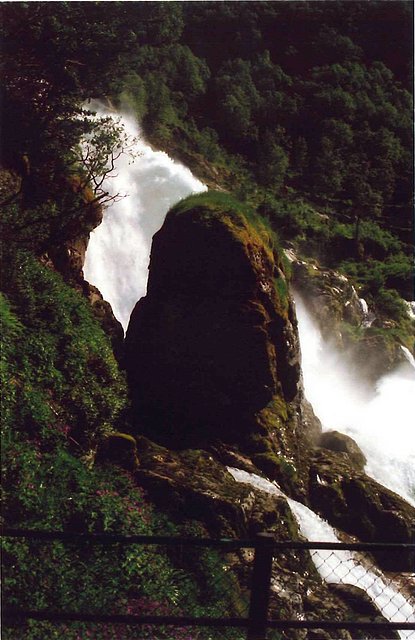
x,y
339,567
117,264
119,249
382,424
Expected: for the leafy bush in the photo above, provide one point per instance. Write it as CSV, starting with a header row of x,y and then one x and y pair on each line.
x,y
62,392
50,491
61,369
395,273
389,304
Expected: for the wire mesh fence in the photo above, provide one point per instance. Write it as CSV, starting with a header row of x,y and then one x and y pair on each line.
x,y
340,586
199,589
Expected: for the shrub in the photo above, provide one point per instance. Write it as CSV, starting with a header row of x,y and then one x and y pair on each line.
x,y
389,304
61,369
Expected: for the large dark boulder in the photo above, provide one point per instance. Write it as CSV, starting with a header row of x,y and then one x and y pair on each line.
x,y
336,441
212,351
363,609
119,449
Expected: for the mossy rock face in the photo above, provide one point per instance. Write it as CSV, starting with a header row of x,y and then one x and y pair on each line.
x,y
193,484
214,343
102,311
119,449
357,504
372,348
376,353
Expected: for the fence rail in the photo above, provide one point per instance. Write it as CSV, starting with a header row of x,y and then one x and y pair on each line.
x,y
231,543
265,550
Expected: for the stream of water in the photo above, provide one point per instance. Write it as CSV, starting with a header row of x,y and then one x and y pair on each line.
x,y
117,263
339,567
118,254
382,423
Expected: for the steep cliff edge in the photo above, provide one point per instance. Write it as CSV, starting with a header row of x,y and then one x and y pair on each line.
x,y
212,351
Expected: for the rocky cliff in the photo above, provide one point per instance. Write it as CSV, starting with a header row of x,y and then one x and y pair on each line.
x,y
214,364
212,351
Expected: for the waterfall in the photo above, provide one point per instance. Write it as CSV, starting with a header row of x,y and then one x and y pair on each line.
x,y
408,355
382,423
117,264
338,567
118,254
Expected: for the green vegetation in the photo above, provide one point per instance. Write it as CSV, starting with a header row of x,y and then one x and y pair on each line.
x,y
302,111
57,491
213,204
62,392
312,130
61,373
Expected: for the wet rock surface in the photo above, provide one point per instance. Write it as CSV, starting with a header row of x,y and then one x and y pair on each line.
x,y
212,351
360,506
340,442
345,320
330,296
364,610
193,484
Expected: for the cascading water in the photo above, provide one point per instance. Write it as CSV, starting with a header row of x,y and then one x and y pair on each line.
x,y
381,423
339,567
117,263
119,249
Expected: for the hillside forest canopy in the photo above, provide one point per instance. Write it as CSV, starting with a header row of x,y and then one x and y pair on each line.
x,y
306,107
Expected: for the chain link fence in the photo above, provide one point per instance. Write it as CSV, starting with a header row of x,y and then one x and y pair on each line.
x,y
199,589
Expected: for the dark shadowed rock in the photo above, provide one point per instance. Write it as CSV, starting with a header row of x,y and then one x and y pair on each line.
x,y
120,449
364,610
68,259
360,506
336,441
212,351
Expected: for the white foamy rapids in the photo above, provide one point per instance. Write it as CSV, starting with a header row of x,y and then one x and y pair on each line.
x,y
338,567
364,306
119,249
382,423
410,305
408,355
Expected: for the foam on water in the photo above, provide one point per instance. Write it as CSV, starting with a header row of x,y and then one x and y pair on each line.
x,y
338,567
381,423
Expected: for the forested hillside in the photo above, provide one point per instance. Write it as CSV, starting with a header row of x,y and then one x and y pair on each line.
x,y
304,108
302,111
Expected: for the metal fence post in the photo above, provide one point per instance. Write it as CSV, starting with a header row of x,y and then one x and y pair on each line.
x,y
260,588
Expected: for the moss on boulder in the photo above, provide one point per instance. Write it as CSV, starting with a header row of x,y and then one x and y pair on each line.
x,y
212,351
